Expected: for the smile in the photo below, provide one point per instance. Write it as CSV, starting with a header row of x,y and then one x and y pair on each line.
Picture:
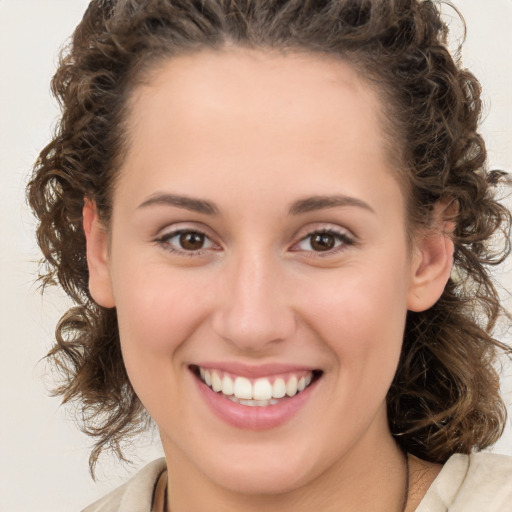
x,y
259,392
255,398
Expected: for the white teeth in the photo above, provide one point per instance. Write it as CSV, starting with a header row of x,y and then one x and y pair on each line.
x,y
216,382
227,386
291,386
243,388
279,388
262,390
253,403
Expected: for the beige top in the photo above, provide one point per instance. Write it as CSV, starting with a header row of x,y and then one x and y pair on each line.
x,y
480,482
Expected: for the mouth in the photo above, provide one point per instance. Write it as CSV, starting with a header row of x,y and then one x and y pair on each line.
x,y
258,392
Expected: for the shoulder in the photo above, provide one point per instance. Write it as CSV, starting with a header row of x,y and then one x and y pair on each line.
x,y
471,483
135,495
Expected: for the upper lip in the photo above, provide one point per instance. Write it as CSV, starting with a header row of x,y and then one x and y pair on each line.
x,y
254,371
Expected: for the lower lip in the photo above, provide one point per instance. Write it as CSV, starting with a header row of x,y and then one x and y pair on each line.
x,y
253,418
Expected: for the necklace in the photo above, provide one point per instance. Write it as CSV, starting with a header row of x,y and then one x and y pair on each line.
x,y
405,499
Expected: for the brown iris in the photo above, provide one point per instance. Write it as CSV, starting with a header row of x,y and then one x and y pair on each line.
x,y
322,241
191,241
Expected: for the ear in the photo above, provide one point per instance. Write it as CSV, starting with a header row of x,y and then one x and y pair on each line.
x,y
100,286
432,259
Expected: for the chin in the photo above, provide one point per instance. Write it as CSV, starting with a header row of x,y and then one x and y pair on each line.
x,y
261,481
262,474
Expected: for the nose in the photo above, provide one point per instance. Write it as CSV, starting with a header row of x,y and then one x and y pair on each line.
x,y
254,311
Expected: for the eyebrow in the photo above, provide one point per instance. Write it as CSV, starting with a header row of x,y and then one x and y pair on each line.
x,y
314,203
308,204
187,203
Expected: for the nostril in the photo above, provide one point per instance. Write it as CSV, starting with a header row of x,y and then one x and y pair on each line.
x,y
253,319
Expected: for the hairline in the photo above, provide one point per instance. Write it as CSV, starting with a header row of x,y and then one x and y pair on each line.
x,y
143,72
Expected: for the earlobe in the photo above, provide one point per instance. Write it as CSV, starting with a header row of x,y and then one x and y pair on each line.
x,y
431,265
100,286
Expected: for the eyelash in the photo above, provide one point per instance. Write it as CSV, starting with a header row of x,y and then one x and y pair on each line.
x,y
164,241
342,238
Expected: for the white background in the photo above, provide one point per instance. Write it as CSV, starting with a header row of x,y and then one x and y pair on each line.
x,y
43,457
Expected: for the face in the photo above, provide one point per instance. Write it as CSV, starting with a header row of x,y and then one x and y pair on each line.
x,y
258,247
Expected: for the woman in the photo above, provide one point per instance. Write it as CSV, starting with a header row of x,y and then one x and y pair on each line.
x,y
276,222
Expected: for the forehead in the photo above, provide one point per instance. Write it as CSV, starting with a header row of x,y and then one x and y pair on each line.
x,y
268,114
314,93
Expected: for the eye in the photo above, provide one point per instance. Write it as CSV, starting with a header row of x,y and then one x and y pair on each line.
x,y
186,241
324,241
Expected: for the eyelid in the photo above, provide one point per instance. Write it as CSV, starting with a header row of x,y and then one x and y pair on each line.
x,y
183,225
344,235
322,227
162,239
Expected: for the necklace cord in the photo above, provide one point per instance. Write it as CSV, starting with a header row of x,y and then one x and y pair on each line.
x,y
405,499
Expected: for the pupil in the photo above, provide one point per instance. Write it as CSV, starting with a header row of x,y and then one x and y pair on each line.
x,y
191,241
322,242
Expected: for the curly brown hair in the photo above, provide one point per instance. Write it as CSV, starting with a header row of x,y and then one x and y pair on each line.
x,y
445,396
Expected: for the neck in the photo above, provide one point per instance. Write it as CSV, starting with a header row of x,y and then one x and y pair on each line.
x,y
371,477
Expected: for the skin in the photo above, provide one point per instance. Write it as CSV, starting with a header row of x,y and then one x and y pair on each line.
x,y
253,133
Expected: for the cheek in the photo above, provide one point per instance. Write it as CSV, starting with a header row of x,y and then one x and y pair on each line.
x,y
360,313
157,313
156,308
362,324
